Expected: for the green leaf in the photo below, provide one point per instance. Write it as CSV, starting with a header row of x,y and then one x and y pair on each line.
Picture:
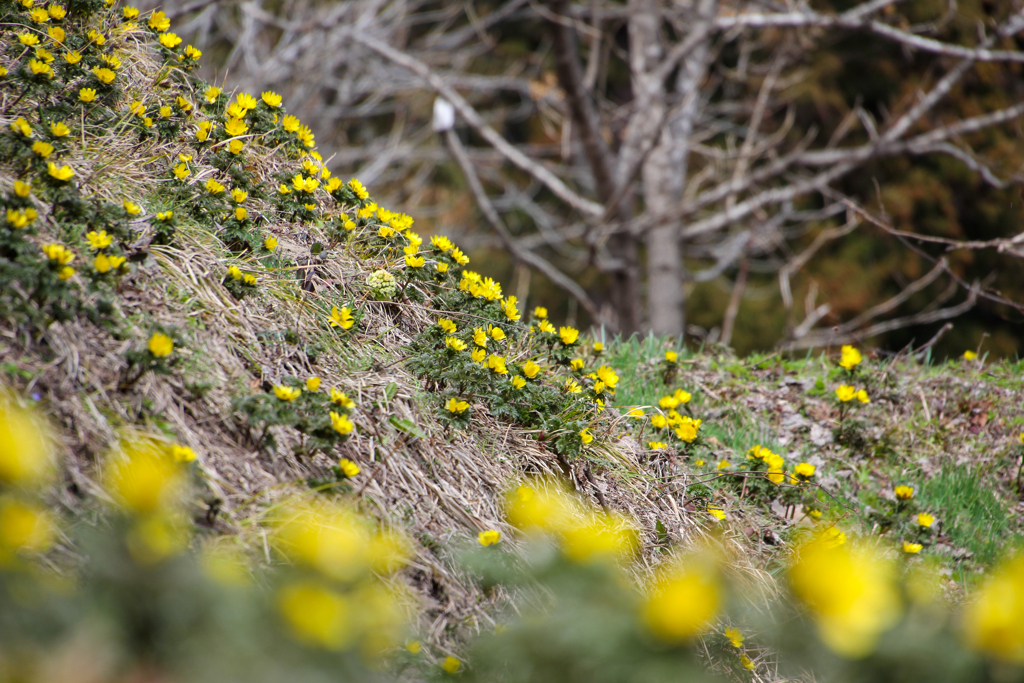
x,y
390,391
407,426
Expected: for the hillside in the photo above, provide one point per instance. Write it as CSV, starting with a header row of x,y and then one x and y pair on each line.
x,y
181,273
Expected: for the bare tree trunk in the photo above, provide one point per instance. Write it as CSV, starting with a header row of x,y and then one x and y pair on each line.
x,y
626,299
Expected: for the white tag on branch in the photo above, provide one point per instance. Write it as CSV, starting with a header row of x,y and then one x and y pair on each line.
x,y
444,115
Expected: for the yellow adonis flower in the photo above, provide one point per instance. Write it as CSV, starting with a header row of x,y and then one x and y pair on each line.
x,y
169,40
235,127
353,184
455,343
863,397
850,357
236,146
98,240
24,527
193,53
414,261
312,384
59,129
723,465
105,263
341,317
347,467
970,355
57,34
22,189
568,335
239,195
87,95
508,307
671,356
28,39
181,171
904,492
576,364
450,665
636,413
518,382
530,369
43,149
271,99
805,470
497,334
572,386
58,253
104,75
213,187
441,243
911,548
340,398
586,436
456,406
212,93
57,12
246,100
160,345
993,621
735,636
270,243
447,325
657,445
496,364
241,213
480,337
925,520
489,537
159,22
844,392
182,453
683,601
131,208
478,356
130,13
286,393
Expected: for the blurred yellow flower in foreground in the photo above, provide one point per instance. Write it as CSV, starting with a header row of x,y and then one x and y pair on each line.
x,y
683,600
851,591
451,665
23,528
24,454
144,479
993,621
316,614
160,345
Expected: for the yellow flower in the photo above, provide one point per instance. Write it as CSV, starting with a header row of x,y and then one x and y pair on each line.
x,y
74,57
447,325
145,479
573,387
235,110
43,149
805,470
489,537
671,356
508,307
347,467
540,313
213,187
340,398
850,357
56,33
39,15
850,590
130,13
658,421
480,337
28,39
312,383
203,130
239,195
735,636
317,615
57,11
193,53
911,548
479,356
182,453
270,243
994,618
844,392
181,171
568,335
65,273
724,464
169,40
341,317
235,146
24,528
414,261
683,602
235,127
656,445
286,393
456,406
353,184
271,99
131,208
22,189
58,253
104,75
59,129
241,213
698,463
98,240
212,93
904,492
636,413
586,436
451,665
24,449
441,243
160,345
970,355
746,662
413,646
925,520
530,369
159,22
455,343
459,257
518,382
576,364
862,396
245,100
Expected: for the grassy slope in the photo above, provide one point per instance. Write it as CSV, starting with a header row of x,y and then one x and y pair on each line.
x,y
948,430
